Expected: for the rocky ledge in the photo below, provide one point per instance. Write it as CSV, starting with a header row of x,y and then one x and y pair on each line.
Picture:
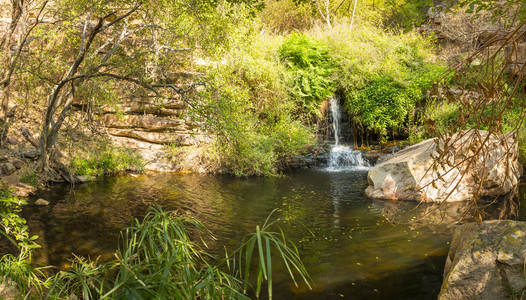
x,y
486,261
150,127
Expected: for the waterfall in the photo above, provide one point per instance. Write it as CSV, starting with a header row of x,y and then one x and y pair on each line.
x,y
334,106
342,157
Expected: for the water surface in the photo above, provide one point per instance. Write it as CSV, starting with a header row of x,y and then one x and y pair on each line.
x,y
347,243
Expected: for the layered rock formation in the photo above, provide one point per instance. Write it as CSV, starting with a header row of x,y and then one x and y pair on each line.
x,y
469,168
485,261
149,127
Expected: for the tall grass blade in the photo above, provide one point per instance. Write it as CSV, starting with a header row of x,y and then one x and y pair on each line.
x,y
261,253
269,268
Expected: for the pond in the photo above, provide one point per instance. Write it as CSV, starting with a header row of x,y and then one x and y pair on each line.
x,y
348,245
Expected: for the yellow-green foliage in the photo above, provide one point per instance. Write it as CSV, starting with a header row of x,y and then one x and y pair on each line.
x,y
264,86
382,75
285,16
106,160
248,108
311,69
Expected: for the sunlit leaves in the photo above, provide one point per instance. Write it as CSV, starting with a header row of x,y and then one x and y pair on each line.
x,y
311,68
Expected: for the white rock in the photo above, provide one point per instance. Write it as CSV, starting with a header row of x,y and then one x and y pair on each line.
x,y
409,175
42,202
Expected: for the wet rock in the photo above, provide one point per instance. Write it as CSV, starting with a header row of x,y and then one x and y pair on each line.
x,y
85,178
485,261
4,158
24,190
42,202
409,174
8,168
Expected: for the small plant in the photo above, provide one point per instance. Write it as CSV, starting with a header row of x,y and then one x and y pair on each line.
x,y
17,270
28,175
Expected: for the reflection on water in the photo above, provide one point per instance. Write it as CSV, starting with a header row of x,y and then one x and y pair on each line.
x,y
347,243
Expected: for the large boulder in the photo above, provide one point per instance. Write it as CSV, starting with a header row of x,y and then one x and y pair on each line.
x,y
470,163
485,261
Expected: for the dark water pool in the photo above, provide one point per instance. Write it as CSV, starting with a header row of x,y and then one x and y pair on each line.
x,y
345,240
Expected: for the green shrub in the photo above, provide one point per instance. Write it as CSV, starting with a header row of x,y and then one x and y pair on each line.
x,y
383,105
248,109
107,160
381,75
311,67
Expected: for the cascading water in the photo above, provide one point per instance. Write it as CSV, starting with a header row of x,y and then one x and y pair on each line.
x,y
341,157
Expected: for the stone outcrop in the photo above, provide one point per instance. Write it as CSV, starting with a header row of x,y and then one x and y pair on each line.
x,y
415,174
149,126
485,261
8,168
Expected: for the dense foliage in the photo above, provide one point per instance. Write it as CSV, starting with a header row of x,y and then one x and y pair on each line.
x,y
255,83
106,160
264,94
383,76
311,70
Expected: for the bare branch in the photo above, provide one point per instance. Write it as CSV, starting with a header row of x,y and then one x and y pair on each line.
x,y
131,11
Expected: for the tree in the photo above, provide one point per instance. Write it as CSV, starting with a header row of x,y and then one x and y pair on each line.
x,y
111,47
25,16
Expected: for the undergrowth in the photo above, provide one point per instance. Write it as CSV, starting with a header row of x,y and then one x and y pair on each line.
x,y
156,259
106,159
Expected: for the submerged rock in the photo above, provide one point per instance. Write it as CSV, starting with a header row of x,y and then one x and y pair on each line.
x,y
42,202
411,174
85,178
485,261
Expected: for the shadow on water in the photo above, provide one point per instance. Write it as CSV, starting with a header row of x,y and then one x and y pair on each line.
x,y
347,243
